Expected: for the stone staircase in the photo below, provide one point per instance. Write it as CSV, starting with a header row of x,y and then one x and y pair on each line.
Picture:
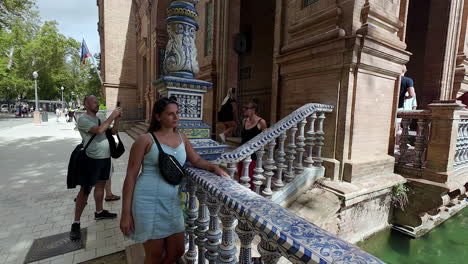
x,y
137,129
233,143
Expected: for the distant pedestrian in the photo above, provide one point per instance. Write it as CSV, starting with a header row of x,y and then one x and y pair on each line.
x,y
406,101
252,125
98,161
228,114
406,89
58,113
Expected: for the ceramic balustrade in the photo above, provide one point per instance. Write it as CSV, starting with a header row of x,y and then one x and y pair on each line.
x,y
281,152
242,211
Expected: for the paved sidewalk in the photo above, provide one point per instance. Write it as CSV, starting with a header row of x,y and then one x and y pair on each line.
x,y
34,200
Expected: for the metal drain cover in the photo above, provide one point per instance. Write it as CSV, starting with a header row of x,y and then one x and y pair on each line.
x,y
51,246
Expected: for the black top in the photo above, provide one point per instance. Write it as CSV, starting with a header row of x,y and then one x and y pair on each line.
x,y
405,84
227,112
248,134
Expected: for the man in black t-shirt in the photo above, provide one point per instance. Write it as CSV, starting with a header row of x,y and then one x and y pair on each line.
x,y
407,85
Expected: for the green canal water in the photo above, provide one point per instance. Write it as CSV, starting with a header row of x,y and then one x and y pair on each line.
x,y
446,244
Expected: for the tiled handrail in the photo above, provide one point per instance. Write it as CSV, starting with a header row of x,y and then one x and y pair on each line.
x,y
273,132
423,118
282,233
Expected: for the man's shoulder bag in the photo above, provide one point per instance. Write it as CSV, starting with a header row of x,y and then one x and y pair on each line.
x,y
116,150
77,163
170,168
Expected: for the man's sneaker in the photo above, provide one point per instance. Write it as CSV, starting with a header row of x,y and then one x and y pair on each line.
x,y
75,233
104,215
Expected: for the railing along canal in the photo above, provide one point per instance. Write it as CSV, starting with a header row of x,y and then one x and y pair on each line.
x,y
298,139
416,157
247,214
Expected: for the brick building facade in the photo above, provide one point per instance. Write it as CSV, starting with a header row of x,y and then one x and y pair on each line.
x,y
346,53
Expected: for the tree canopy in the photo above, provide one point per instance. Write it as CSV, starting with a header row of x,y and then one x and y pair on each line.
x,y
27,44
11,10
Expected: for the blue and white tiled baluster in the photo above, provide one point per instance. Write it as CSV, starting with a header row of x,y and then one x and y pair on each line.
x,y
202,223
269,252
291,154
269,167
320,138
300,147
246,235
258,176
192,212
214,233
310,141
232,168
227,249
281,166
245,179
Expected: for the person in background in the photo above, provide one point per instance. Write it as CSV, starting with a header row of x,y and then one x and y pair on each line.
x,y
252,125
406,101
110,196
98,162
228,114
406,89
58,113
151,209
464,99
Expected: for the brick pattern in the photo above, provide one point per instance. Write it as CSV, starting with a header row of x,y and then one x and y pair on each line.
x,y
118,48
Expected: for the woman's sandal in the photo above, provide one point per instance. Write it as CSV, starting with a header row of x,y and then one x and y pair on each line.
x,y
112,198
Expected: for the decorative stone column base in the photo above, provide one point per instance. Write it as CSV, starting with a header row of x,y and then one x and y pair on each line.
x,y
189,94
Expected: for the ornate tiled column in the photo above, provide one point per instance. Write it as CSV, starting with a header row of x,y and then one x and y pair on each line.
x,y
180,66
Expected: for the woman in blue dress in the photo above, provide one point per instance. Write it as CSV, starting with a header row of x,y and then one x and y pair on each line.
x,y
151,209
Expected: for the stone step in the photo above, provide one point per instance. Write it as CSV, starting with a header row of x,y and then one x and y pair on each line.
x,y
132,134
142,126
139,129
233,141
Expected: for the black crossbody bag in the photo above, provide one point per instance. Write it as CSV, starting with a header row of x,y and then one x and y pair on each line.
x,y
116,150
170,168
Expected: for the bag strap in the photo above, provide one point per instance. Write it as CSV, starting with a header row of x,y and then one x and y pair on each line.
x,y
89,142
157,142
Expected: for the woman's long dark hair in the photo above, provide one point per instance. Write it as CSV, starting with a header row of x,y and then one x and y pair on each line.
x,y
158,108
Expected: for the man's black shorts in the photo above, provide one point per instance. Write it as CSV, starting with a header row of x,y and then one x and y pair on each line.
x,y
98,170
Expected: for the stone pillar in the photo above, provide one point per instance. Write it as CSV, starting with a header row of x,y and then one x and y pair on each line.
x,y
433,38
460,82
347,54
